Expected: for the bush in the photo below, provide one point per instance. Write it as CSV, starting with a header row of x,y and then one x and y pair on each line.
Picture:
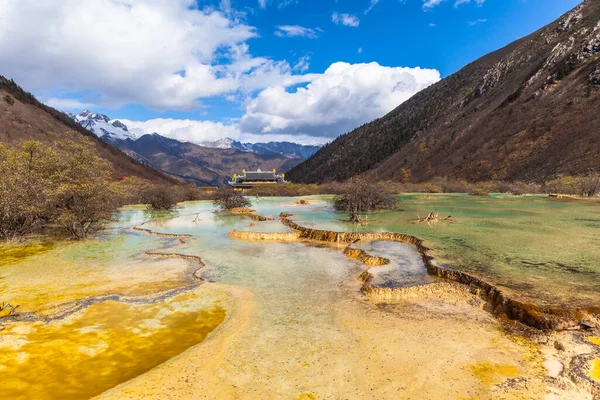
x,y
563,185
479,192
9,100
590,184
360,196
160,198
228,199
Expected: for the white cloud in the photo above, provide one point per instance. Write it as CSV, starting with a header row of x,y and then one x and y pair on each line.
x,y
337,101
345,19
69,104
185,130
202,131
280,3
372,4
163,54
428,4
302,65
431,3
295,30
477,21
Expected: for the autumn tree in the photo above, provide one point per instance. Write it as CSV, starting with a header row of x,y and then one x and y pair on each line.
x,y
360,196
83,190
68,184
25,192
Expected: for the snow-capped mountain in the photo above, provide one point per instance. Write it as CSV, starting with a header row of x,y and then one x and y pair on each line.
x,y
103,127
114,131
288,149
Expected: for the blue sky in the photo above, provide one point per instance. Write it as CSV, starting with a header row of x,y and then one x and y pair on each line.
x,y
251,69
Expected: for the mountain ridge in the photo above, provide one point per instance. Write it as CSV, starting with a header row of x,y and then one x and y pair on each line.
x,y
113,130
200,165
523,112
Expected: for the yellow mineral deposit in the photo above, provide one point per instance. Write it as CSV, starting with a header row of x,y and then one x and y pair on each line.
x,y
491,374
595,364
595,370
101,347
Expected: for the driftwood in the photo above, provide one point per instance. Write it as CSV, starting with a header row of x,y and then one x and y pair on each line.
x,y
432,217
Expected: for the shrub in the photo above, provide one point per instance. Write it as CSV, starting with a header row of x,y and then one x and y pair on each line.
x,y
590,183
135,190
563,185
9,100
360,195
478,192
160,198
228,199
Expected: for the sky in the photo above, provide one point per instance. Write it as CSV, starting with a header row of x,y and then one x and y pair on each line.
x,y
253,70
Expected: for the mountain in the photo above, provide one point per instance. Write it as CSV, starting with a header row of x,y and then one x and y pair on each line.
x,y
103,127
22,118
213,163
289,149
528,111
197,164
112,131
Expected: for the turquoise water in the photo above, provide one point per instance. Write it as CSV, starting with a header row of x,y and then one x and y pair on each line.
x,y
537,249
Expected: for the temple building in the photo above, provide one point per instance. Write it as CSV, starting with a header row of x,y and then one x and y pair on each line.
x,y
249,179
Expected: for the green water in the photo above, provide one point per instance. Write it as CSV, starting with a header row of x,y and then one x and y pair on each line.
x,y
537,249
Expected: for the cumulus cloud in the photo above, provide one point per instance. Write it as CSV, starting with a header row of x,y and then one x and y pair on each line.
x,y
345,19
187,130
158,53
342,98
337,101
295,30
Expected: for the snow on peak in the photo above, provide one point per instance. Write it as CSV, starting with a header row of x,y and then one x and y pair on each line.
x,y
225,143
102,126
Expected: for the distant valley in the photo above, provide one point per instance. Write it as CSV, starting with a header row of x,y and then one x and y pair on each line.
x,y
205,163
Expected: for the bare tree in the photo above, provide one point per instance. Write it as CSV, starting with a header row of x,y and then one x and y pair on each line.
x,y
360,196
590,183
228,199
160,198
